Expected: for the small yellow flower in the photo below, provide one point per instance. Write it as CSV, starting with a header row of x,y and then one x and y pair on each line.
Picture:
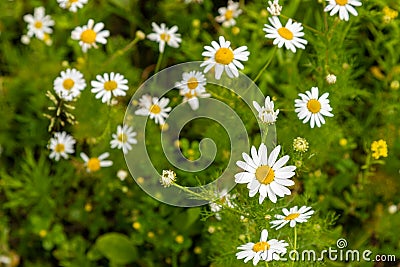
x,y
379,149
88,207
343,142
42,233
150,235
136,225
300,145
197,250
179,239
389,14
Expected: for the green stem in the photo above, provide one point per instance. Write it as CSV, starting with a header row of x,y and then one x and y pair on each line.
x,y
265,134
266,263
304,25
160,56
174,260
122,51
295,241
265,66
190,191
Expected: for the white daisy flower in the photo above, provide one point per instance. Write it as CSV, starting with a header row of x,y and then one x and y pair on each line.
x,y
225,198
274,8
122,174
164,35
94,164
267,250
266,113
264,174
192,87
168,177
154,107
288,35
343,7
311,108
292,216
72,5
331,78
124,138
61,145
39,24
108,85
223,57
228,14
69,84
90,34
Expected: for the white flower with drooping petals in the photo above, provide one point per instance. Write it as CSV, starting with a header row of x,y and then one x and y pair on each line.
x,y
290,35
228,14
69,84
266,113
265,174
124,138
312,108
163,35
266,250
39,24
154,107
344,7
331,78
94,164
192,87
274,8
292,216
61,145
168,177
222,57
72,5
89,35
108,85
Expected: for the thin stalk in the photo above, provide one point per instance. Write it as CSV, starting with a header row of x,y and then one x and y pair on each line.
x,y
122,51
160,56
265,66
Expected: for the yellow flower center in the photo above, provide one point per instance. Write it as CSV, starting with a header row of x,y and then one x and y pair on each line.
x,y
265,174
314,105
165,37
155,109
110,85
38,24
192,83
224,56
341,2
190,94
261,246
88,36
59,148
68,84
93,164
122,138
292,216
285,33
229,14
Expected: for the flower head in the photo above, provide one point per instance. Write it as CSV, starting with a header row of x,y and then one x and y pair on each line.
x,y
274,8
312,108
266,113
265,174
124,138
154,107
163,35
168,177
379,149
122,174
300,145
331,78
292,216
226,199
192,87
39,24
69,84
222,57
94,164
89,35
343,7
61,145
267,250
290,35
72,5
108,85
228,14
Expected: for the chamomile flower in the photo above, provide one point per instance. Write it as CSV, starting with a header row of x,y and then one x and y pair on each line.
x,y
312,108
163,35
265,174
89,35
154,107
292,216
94,164
266,113
343,7
222,57
228,14
267,250
39,24
274,8
226,199
331,78
61,145
72,5
192,87
124,138
69,84
168,177
108,85
290,35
